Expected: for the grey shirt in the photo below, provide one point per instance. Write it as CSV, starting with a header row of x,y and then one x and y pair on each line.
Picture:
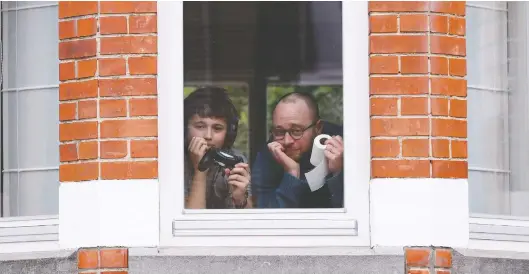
x,y
217,189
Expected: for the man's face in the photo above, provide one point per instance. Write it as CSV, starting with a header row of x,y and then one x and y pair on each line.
x,y
213,130
295,115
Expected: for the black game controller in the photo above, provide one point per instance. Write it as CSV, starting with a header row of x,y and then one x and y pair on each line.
x,y
221,158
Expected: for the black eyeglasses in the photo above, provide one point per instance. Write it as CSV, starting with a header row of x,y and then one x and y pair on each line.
x,y
295,133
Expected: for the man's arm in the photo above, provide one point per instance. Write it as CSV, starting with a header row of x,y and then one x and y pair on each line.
x,y
269,194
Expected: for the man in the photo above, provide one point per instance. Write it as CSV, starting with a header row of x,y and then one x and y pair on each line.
x,y
278,175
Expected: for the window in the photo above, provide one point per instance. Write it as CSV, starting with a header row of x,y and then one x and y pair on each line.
x,y
498,120
205,44
30,155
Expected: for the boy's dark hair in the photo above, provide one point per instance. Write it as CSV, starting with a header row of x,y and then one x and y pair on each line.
x,y
212,101
307,97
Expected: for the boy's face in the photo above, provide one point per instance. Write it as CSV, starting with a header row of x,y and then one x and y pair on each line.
x,y
213,130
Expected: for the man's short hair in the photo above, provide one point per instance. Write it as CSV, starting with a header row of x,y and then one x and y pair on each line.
x,y
306,97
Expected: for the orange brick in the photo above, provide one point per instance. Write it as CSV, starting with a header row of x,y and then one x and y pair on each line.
x,y
112,66
414,106
398,85
384,64
112,108
86,68
449,128
458,108
439,106
399,44
413,64
449,169
459,149
448,45
67,71
457,25
127,87
398,6
87,109
143,107
439,65
443,258
77,8
78,131
384,106
458,67
418,257
113,25
142,65
439,23
400,168
385,148
67,111
67,152
450,7
449,87
79,172
78,90
383,23
77,49
67,29
129,44
440,148
144,148
413,22
143,24
415,148
88,150
86,27
400,127
87,258
128,7
129,128
113,149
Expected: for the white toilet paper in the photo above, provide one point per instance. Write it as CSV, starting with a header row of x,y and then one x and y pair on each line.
x,y
316,177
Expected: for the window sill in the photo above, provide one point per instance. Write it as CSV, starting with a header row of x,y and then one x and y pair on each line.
x,y
36,237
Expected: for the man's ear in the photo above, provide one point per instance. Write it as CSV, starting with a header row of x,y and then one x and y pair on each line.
x,y
319,127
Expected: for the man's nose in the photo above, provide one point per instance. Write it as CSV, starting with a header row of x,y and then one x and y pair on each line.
x,y
288,139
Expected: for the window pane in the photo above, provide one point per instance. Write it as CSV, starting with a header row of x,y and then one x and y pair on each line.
x,y
38,129
10,132
255,52
34,193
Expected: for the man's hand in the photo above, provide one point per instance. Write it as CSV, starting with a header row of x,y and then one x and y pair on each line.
x,y
238,179
334,154
286,162
197,148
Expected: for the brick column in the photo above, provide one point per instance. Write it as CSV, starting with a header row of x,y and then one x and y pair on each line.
x,y
418,99
108,105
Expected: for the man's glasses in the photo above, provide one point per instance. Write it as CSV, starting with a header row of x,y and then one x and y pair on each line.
x,y
295,133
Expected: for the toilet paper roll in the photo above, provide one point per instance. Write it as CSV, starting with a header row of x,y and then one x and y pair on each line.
x,y
316,177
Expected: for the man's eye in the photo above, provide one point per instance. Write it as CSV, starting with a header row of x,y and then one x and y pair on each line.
x,y
278,132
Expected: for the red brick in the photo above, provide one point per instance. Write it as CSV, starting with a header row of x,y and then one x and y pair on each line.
x,y
439,23
87,258
458,108
88,150
459,149
415,148
113,25
440,148
383,23
76,8
127,87
384,106
398,44
143,24
77,49
414,64
129,128
67,111
439,65
457,26
144,148
113,149
448,45
86,68
458,67
443,258
142,65
449,128
67,29
66,71
449,169
384,64
129,44
79,172
449,87
414,106
129,170
413,22
87,109
86,27
417,257
400,127
398,85
450,7
78,131
112,108
400,168
398,6
112,66
385,148
67,152
143,107
128,7
439,106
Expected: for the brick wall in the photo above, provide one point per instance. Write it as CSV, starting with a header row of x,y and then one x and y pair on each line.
x,y
107,93
418,89
108,105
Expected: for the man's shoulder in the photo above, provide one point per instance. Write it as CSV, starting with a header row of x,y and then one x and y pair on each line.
x,y
331,128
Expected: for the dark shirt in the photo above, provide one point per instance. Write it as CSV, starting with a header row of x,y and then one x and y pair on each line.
x,y
275,188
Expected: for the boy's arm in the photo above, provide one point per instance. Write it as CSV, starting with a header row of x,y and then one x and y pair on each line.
x,y
335,183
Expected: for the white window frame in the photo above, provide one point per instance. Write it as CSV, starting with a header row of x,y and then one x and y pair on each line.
x,y
345,227
493,235
29,237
